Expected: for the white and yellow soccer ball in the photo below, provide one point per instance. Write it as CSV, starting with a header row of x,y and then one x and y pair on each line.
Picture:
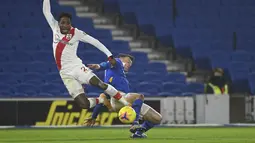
x,y
127,115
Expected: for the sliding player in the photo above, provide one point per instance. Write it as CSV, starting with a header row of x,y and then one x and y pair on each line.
x,y
72,71
117,78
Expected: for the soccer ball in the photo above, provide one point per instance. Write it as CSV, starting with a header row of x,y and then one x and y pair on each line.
x,y
127,115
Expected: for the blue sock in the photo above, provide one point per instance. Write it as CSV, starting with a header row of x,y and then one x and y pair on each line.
x,y
137,104
96,110
147,125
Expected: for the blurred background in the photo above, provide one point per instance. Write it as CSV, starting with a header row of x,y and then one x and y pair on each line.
x,y
182,48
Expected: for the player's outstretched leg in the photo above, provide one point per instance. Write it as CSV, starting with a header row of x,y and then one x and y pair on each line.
x,y
151,118
110,90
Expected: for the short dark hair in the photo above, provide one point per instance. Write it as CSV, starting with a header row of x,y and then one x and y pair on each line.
x,y
63,14
126,55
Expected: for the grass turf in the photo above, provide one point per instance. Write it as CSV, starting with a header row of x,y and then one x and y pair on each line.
x,y
121,135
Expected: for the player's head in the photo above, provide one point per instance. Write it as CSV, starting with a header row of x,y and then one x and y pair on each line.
x,y
64,22
218,72
127,60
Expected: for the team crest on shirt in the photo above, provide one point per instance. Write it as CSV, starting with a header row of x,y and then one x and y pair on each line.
x,y
69,36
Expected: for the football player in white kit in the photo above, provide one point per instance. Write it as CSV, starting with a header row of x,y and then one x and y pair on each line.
x,y
72,71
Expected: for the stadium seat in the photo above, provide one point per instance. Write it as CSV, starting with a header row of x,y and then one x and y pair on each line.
x,y
175,77
157,67
151,88
39,67
45,94
152,76
241,56
219,60
239,75
166,94
55,89
26,89
175,88
140,57
31,76
197,88
252,83
188,94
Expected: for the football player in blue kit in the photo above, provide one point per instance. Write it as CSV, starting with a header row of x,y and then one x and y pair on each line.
x,y
116,76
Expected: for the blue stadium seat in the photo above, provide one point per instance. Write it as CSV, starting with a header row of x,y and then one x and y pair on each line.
x,y
197,88
239,75
152,76
111,6
5,87
151,88
45,94
39,67
20,57
188,94
175,77
157,67
219,60
55,89
241,56
9,78
43,56
26,89
138,67
166,94
252,67
251,78
140,57
175,88
13,67
31,76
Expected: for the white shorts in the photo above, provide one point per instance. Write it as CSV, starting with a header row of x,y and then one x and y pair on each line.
x,y
74,80
118,105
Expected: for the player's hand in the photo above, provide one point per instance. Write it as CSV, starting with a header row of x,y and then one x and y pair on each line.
x,y
112,60
94,66
90,122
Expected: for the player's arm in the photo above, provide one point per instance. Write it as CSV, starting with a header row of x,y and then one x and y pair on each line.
x,y
48,15
84,37
104,65
91,121
101,66
96,111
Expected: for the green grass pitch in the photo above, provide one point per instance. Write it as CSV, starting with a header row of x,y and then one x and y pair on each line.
x,y
121,135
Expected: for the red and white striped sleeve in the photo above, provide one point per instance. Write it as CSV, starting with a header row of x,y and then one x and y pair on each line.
x,y
48,15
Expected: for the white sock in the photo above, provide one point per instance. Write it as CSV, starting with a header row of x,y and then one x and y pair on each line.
x,y
100,99
116,94
123,101
92,102
111,90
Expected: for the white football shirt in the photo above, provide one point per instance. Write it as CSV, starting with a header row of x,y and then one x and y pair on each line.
x,y
65,46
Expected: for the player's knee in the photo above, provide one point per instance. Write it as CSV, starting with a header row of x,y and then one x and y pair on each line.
x,y
84,105
102,95
97,82
82,101
158,119
141,96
